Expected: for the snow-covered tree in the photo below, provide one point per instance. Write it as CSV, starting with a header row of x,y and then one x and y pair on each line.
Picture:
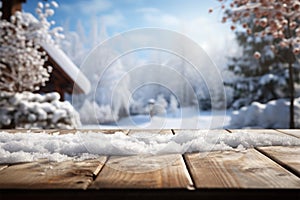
x,y
112,90
173,106
279,18
110,87
73,46
21,57
77,44
256,80
22,71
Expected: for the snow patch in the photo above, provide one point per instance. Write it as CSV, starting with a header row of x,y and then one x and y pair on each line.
x,y
274,114
26,147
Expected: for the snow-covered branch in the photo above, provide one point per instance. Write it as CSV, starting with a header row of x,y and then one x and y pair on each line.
x,y
22,60
274,17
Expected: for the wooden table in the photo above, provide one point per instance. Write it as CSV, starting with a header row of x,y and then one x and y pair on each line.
x,y
266,172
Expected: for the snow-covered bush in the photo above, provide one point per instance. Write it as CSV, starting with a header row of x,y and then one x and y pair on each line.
x,y
159,106
138,107
274,114
21,58
162,101
28,110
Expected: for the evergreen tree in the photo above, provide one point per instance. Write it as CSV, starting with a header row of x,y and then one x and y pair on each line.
x,y
255,80
279,18
262,79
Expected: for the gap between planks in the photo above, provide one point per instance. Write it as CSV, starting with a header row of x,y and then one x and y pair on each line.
x,y
290,132
229,169
100,168
288,157
285,160
144,171
273,170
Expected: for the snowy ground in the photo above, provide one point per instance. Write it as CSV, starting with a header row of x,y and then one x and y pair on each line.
x,y
274,114
25,147
185,118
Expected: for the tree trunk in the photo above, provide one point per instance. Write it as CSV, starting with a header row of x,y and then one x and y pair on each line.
x,y
291,60
292,96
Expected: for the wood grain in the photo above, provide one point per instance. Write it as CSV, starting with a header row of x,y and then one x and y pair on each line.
x,y
44,174
231,169
293,132
131,172
286,156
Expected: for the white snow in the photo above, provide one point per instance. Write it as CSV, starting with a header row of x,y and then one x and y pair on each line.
x,y
274,114
25,147
267,78
29,110
183,118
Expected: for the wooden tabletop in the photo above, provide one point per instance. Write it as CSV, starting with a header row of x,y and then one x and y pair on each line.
x,y
268,172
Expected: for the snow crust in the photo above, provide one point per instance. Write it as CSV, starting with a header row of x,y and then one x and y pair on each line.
x,y
25,147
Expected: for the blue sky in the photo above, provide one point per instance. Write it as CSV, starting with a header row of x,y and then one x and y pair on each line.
x,y
190,17
120,15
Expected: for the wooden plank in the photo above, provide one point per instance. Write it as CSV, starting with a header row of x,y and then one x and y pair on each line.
x,y
109,131
201,131
257,131
269,132
231,169
106,131
150,131
44,174
289,157
13,131
67,131
293,132
3,167
49,131
144,171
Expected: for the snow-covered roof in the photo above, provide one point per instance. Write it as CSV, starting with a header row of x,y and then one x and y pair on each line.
x,y
68,66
